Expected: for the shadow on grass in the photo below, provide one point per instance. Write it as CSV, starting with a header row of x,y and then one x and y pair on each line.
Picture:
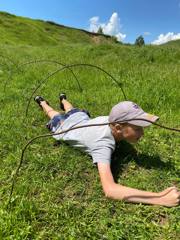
x,y
125,153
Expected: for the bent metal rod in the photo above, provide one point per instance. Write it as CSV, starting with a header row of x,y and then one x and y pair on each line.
x,y
67,130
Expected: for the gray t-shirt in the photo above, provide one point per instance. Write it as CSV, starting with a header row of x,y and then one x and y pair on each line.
x,y
97,141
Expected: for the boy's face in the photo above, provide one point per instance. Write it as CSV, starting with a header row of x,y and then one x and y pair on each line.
x,y
132,133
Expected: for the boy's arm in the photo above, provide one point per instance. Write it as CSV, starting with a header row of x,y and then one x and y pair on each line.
x,y
169,197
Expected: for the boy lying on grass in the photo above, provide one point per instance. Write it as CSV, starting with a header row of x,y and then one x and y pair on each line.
x,y
99,142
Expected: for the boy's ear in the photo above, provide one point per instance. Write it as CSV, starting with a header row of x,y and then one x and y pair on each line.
x,y
118,127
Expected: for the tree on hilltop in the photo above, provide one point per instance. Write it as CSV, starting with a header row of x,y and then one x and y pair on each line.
x,y
140,41
100,30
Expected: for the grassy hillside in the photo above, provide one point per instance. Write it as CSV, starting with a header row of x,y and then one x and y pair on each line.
x,y
58,194
18,30
175,43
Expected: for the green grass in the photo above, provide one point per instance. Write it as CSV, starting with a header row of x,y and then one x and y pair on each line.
x,y
18,30
58,194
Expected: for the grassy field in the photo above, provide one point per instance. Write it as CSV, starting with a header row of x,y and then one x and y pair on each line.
x,y
58,194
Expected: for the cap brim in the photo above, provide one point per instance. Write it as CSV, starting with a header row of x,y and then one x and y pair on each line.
x,y
144,123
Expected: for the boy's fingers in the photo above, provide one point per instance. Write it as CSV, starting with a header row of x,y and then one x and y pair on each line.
x,y
178,194
167,190
170,188
175,187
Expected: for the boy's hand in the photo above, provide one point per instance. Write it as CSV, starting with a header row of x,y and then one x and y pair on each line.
x,y
165,191
170,197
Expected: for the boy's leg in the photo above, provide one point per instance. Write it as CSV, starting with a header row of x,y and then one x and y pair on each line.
x,y
64,104
67,105
50,112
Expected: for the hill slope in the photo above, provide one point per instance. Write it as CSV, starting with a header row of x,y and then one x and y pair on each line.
x,y
174,43
20,30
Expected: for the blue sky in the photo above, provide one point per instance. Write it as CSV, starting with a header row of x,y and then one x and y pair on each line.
x,y
156,20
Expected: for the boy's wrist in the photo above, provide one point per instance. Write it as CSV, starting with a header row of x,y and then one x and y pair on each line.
x,y
158,200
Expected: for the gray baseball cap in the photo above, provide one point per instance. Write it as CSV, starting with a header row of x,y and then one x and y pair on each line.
x,y
127,110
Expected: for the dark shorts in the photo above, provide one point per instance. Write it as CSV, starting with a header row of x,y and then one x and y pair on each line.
x,y
56,121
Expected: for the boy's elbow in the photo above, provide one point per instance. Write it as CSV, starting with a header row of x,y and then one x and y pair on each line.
x,y
106,192
110,192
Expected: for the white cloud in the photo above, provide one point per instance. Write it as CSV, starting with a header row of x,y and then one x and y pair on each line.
x,y
94,24
163,38
147,33
112,27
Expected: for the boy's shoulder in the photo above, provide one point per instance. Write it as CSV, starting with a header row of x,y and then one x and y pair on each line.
x,y
102,132
99,119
